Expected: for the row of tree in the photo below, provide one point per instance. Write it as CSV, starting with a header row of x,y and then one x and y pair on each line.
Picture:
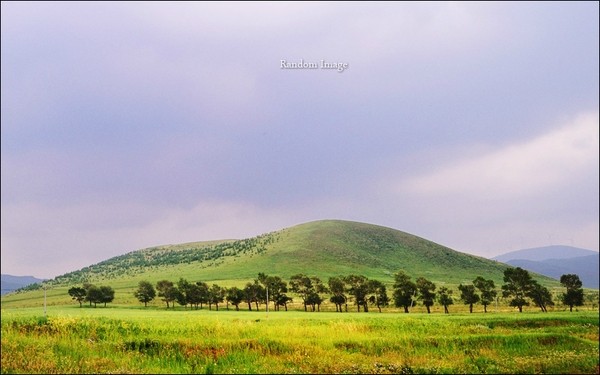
x,y
92,294
518,286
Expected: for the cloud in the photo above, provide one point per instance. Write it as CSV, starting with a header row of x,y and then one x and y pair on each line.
x,y
526,189
519,170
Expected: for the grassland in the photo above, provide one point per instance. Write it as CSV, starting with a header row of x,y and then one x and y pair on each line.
x,y
138,340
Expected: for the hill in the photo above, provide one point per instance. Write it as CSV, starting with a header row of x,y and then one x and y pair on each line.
x,y
554,261
585,267
545,252
10,282
321,248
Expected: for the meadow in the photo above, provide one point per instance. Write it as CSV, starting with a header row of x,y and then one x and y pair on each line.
x,y
118,339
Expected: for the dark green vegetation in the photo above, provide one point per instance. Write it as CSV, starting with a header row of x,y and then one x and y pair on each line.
x,y
150,340
323,248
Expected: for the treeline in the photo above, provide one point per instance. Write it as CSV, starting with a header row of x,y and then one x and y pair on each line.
x,y
519,287
92,294
140,260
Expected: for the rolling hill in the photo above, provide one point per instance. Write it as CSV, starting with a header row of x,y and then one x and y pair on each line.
x,y
321,248
11,282
545,252
554,261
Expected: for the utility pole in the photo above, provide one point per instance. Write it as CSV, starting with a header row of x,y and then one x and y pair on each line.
x,y
267,301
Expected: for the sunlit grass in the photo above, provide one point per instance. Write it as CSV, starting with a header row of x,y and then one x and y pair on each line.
x,y
124,340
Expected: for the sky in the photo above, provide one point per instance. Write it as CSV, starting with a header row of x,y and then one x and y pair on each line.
x,y
126,125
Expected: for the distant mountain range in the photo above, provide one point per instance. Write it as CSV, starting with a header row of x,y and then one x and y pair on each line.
x,y
10,282
555,261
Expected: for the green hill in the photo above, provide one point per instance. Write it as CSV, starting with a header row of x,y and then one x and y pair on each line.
x,y
321,248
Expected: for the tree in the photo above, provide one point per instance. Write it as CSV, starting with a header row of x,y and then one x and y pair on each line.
x,y
216,295
426,290
540,295
380,297
235,296
283,300
87,287
517,283
93,295
404,290
197,294
314,300
444,298
167,291
276,288
574,294
302,285
337,287
183,288
107,294
145,292
468,295
487,290
359,287
78,294
253,292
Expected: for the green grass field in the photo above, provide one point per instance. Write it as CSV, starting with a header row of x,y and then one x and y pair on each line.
x,y
152,340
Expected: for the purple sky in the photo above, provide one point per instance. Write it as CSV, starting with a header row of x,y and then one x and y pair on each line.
x,y
129,125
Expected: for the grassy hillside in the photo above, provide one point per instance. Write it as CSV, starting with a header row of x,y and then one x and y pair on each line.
x,y
321,248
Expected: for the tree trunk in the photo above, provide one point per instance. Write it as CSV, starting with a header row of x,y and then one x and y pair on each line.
x,y
406,309
471,308
428,311
484,308
446,309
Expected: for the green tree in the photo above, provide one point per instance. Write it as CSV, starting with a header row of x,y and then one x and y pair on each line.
x,y
517,284
360,288
404,290
302,285
314,300
107,294
167,291
337,288
235,296
426,290
283,300
276,288
216,295
540,295
183,289
197,294
78,294
574,294
379,297
87,287
468,295
93,295
253,293
487,291
145,292
444,298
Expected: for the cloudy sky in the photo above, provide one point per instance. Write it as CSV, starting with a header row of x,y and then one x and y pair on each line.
x,y
129,125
